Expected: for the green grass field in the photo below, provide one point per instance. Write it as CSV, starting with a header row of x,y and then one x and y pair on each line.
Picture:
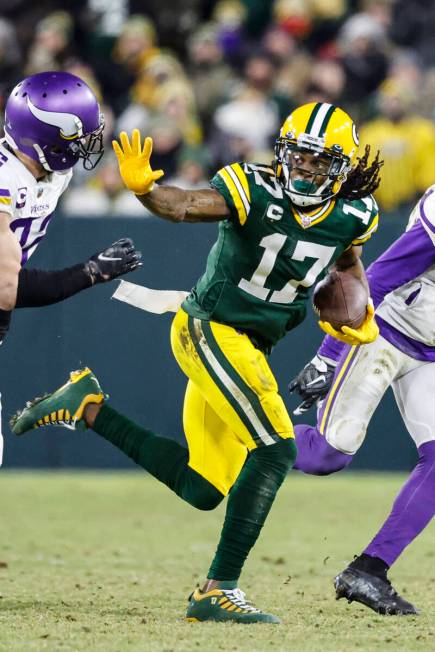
x,y
105,562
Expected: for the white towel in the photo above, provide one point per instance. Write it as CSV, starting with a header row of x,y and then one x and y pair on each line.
x,y
156,301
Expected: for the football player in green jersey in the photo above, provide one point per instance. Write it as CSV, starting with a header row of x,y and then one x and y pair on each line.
x,y
281,228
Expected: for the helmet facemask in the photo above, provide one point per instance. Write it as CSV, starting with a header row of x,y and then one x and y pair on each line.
x,y
90,147
321,180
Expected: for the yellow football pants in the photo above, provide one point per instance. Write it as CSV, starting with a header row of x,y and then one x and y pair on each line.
x,y
232,404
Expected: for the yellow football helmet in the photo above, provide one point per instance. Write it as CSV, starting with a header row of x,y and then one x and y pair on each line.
x,y
329,135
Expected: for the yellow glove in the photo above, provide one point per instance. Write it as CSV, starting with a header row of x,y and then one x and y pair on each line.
x,y
134,163
366,333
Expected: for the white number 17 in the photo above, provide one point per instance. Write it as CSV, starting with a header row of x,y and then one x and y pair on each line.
x,y
273,245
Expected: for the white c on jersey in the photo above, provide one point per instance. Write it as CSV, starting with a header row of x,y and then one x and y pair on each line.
x,y
29,202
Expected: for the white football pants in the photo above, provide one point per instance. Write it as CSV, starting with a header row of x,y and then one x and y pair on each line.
x,y
346,412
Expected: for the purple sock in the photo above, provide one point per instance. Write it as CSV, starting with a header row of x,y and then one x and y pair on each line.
x,y
412,510
315,456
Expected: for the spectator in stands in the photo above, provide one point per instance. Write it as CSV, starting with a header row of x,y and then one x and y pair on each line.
x,y
192,169
211,77
250,119
407,145
162,90
133,49
10,60
363,53
52,44
293,63
244,72
327,79
10,55
229,17
413,26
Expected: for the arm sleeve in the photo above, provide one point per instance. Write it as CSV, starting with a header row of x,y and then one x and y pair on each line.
x,y
371,225
39,287
408,257
331,348
232,183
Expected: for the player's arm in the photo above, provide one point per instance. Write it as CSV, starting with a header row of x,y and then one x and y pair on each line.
x,y
350,261
168,202
10,263
410,255
313,382
177,205
40,287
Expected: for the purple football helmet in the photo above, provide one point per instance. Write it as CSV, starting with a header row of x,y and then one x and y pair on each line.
x,y
55,118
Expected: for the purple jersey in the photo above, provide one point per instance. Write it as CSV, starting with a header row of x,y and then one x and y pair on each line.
x,y
402,285
30,203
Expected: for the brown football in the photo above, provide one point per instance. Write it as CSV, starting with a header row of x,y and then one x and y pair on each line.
x,y
341,299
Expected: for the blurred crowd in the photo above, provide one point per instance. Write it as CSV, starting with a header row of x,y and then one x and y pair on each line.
x,y
211,81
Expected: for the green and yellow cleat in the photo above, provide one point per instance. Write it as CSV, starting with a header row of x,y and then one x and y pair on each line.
x,y
225,604
63,407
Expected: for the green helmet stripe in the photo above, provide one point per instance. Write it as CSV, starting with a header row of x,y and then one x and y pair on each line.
x,y
319,119
326,120
312,117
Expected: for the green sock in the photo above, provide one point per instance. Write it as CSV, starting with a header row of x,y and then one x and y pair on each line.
x,y
164,458
249,503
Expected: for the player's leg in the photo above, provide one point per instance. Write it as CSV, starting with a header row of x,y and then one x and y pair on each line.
x,y
365,580
80,404
414,506
240,387
361,379
163,458
225,367
215,452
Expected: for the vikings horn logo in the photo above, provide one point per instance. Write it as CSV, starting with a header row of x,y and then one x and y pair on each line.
x,y
70,125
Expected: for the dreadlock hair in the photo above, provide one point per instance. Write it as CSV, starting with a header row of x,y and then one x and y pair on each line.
x,y
363,179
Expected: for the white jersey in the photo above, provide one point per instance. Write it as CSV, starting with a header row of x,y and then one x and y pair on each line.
x,y
410,308
30,203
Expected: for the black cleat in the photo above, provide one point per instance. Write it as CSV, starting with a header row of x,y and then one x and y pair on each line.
x,y
372,591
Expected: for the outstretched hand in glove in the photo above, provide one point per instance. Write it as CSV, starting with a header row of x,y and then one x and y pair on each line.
x,y
134,162
117,259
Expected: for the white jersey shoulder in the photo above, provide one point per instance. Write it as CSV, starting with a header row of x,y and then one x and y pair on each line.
x,y
411,307
30,203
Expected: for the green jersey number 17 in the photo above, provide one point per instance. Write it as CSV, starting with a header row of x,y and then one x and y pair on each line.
x,y
272,245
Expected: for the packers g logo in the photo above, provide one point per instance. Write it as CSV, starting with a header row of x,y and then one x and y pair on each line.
x,y
355,134
274,212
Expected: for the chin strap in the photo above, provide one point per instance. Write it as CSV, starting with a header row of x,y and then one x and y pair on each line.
x,y
41,157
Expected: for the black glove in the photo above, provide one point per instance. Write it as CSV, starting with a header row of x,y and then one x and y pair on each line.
x,y
119,258
313,382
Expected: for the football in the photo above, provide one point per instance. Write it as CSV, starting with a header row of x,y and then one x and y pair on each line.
x,y
341,299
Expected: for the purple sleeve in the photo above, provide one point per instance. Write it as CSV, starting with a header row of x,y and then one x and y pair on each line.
x,y
331,348
408,257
